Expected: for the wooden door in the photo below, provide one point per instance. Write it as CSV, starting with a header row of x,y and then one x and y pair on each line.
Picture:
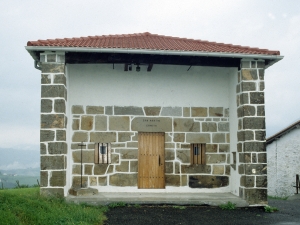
x,y
151,160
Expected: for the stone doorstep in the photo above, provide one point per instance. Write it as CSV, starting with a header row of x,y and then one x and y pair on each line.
x,y
212,199
82,191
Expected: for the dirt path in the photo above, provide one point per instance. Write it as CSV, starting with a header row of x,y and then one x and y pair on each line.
x,y
289,213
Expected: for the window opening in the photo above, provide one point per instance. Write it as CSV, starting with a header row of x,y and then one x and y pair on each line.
x,y
102,153
198,153
103,150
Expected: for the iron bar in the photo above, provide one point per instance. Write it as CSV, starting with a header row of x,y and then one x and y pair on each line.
x,y
297,183
81,145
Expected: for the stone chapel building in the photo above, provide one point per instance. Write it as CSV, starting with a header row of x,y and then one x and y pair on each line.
x,y
152,113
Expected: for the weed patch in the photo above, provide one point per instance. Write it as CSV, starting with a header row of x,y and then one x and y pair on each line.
x,y
116,204
270,209
277,198
179,207
227,206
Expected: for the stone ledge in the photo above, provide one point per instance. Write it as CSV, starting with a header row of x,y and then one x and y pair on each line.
x,y
213,199
82,191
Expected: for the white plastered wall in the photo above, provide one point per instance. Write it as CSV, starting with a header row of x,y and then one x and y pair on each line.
x,y
283,164
68,138
165,85
234,175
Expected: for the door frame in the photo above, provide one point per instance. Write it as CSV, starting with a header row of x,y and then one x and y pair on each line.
x,y
151,160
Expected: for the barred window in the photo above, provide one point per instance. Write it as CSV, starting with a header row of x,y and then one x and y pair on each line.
x,y
102,153
198,153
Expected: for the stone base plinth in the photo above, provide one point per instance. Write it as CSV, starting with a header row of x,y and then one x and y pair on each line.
x,y
82,191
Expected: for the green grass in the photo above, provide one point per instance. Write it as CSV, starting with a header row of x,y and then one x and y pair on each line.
x,y
137,206
270,209
227,206
116,204
10,181
179,207
26,206
277,198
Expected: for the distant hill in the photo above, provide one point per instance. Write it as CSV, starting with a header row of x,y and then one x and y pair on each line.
x,y
22,172
9,180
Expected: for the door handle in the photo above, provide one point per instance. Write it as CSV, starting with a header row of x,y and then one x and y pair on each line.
x,y
159,160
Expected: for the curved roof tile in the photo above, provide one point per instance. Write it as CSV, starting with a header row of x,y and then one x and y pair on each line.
x,y
150,41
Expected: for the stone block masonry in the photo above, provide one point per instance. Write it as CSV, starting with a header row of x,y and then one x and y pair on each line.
x,y
119,125
251,144
54,146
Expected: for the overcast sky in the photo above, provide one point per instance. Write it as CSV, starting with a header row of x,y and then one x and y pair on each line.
x,y
274,25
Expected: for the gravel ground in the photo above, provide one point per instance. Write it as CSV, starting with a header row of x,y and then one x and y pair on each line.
x,y
288,214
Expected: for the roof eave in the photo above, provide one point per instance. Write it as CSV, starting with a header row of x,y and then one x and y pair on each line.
x,y
273,58
279,134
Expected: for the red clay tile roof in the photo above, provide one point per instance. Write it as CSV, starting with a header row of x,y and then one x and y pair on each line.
x,y
150,41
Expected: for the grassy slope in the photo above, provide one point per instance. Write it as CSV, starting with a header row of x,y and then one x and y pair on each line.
x,y
26,206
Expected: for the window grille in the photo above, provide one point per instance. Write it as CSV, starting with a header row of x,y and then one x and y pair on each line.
x,y
102,153
198,153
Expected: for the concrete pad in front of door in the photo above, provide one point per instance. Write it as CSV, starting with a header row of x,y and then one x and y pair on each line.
x,y
212,199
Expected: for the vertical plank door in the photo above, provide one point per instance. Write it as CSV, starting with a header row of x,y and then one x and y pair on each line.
x,y
151,160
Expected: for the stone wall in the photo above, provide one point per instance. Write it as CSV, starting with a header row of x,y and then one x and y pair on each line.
x,y
53,145
120,126
251,146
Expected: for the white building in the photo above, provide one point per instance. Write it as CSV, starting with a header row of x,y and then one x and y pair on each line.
x,y
283,150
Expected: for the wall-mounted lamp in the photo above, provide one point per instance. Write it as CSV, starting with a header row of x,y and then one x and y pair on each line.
x,y
138,68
